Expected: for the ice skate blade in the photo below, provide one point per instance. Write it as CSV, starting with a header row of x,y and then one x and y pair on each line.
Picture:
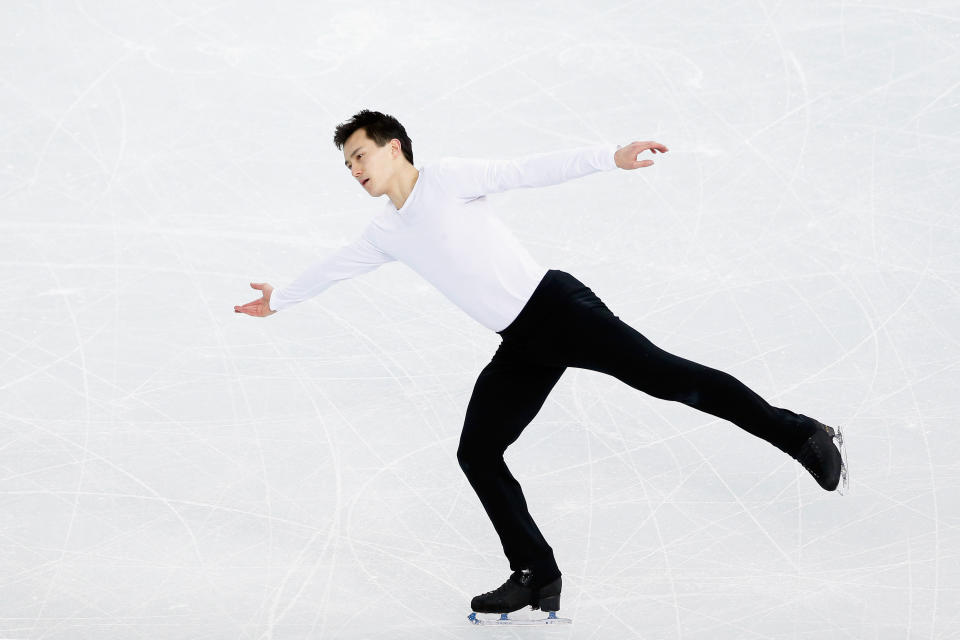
x,y
844,487
503,619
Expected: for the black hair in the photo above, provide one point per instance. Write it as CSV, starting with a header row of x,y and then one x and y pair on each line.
x,y
379,127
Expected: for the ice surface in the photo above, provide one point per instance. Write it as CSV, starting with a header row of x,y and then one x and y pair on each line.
x,y
171,469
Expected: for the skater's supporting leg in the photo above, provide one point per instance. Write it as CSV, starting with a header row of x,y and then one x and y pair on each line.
x,y
506,397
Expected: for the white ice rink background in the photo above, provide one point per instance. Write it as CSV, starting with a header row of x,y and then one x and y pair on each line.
x,y
170,469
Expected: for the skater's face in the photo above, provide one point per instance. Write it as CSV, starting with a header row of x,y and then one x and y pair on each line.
x,y
371,166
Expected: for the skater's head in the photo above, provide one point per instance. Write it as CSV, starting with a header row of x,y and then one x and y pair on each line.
x,y
376,147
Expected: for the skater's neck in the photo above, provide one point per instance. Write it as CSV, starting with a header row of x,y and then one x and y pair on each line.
x,y
401,185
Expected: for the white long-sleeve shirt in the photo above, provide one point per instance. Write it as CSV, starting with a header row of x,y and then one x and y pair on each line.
x,y
448,233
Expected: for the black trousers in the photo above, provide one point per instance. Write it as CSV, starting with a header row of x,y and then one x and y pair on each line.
x,y
565,325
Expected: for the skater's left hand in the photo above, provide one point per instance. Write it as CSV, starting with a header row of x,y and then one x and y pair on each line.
x,y
626,157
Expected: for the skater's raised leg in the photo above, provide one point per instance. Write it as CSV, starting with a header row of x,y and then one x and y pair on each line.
x,y
623,352
617,349
570,326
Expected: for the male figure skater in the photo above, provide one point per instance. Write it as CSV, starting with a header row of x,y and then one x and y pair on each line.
x,y
438,221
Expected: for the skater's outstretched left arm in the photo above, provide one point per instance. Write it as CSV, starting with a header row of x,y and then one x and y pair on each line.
x,y
474,177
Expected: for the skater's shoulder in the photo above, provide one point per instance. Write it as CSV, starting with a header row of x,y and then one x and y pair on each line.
x,y
457,175
438,168
448,166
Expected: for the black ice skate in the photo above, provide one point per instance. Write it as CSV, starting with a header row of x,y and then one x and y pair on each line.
x,y
825,457
516,593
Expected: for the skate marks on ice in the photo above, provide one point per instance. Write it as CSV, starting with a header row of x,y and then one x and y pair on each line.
x,y
518,619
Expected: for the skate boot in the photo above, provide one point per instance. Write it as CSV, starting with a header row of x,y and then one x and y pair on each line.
x,y
825,457
517,592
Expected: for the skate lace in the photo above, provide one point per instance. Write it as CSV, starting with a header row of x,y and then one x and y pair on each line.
x,y
810,457
523,573
497,590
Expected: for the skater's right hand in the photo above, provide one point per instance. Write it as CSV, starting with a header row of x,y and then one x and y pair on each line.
x,y
261,306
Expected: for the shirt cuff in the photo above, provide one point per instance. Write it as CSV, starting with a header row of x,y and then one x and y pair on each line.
x,y
276,301
610,161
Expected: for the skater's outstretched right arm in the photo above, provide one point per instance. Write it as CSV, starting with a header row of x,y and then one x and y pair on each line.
x,y
360,256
